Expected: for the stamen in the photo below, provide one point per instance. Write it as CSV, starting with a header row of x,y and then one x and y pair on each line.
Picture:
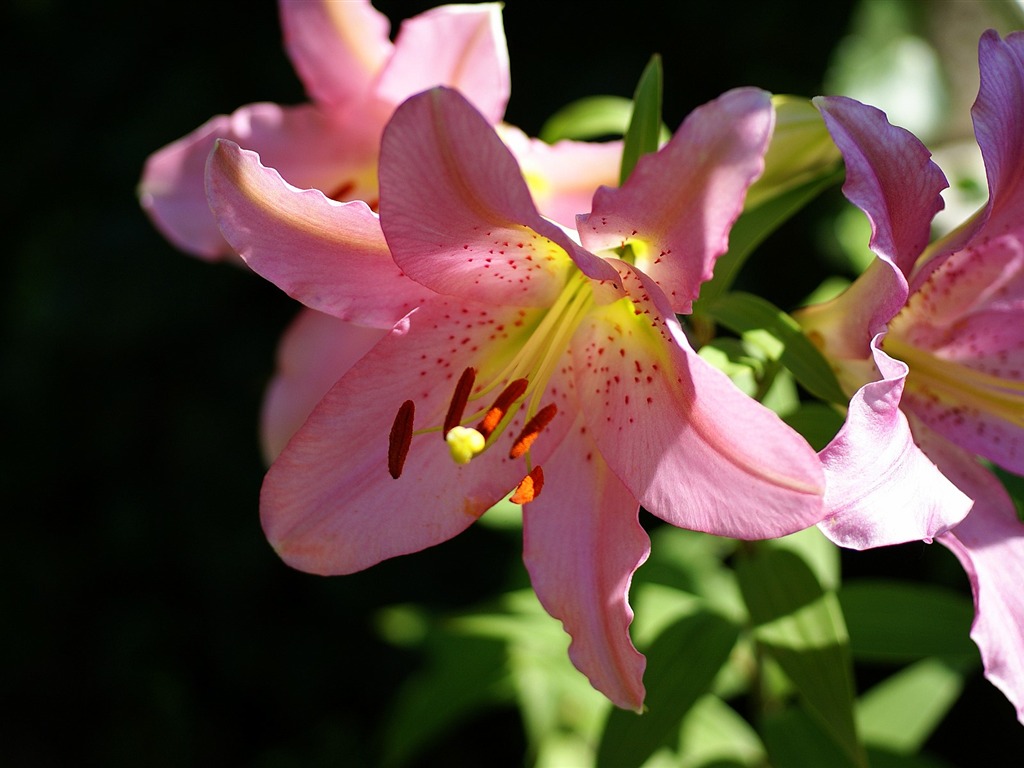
x,y
459,400
529,488
400,438
532,429
504,401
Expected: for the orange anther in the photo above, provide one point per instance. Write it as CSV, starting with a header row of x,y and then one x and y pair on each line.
x,y
459,400
533,428
529,488
504,401
400,438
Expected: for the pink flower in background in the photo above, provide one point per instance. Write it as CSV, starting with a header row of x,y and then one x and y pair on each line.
x,y
931,339
518,349
355,77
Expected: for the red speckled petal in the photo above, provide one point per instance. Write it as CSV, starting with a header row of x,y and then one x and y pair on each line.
x,y
678,205
582,543
688,444
329,505
457,213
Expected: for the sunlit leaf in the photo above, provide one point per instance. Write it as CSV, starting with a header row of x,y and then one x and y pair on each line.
x,y
714,734
589,118
817,422
743,312
681,664
900,713
801,626
645,124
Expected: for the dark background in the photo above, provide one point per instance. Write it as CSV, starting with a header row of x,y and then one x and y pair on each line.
x,y
144,620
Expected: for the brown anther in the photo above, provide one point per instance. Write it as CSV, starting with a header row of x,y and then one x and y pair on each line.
x,y
529,488
459,400
504,401
533,428
400,438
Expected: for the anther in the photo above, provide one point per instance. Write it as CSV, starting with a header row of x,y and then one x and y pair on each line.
x,y
532,429
504,401
400,438
459,400
529,487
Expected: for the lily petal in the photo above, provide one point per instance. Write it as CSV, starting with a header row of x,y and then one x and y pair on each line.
x,y
562,177
337,48
329,505
582,543
304,143
881,488
967,316
686,442
330,256
458,215
314,352
678,205
989,544
998,114
890,176
461,46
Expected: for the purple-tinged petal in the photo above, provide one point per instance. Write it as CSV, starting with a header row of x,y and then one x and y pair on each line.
x,y
562,177
989,544
461,46
336,47
678,205
889,175
329,504
582,543
688,444
457,213
962,335
303,143
881,489
314,352
330,256
998,116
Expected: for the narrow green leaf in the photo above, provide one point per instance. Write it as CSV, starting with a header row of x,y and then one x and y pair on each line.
x,y
900,713
898,622
752,227
681,664
714,734
743,312
645,125
589,118
801,626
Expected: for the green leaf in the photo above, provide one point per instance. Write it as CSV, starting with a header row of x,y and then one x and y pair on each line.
x,y
681,664
900,713
744,312
899,621
750,230
589,118
468,674
817,422
714,734
801,626
796,740
645,125
820,554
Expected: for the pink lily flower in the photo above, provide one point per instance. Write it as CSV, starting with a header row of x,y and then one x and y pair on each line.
x,y
930,341
355,78
519,348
